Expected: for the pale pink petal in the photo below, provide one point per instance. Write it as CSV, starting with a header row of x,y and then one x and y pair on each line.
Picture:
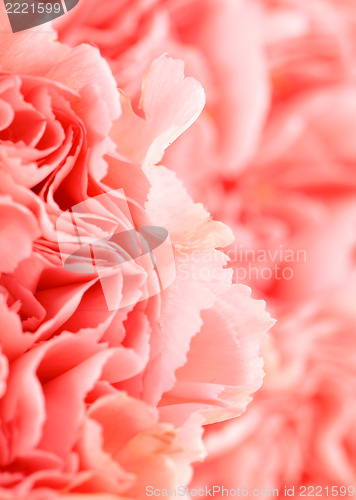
x,y
224,365
150,452
170,103
18,230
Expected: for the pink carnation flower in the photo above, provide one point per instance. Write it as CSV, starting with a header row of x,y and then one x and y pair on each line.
x,y
273,157
71,367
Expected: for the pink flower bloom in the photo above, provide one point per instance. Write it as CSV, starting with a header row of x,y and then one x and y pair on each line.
x,y
300,428
71,367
